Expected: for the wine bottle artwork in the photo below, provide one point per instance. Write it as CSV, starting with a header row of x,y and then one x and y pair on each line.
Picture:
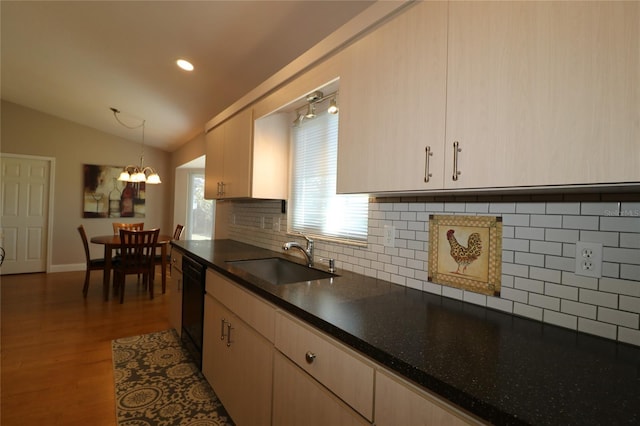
x,y
105,196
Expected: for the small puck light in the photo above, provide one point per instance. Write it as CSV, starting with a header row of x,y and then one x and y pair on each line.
x,y
185,65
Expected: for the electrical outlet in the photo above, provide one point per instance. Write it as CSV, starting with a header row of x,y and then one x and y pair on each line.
x,y
262,222
389,237
276,224
589,259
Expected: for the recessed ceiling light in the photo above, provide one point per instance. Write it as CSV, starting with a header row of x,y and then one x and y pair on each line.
x,y
185,65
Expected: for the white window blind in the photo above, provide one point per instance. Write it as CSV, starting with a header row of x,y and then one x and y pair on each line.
x,y
315,207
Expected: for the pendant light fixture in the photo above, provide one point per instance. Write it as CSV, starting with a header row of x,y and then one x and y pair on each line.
x,y
139,173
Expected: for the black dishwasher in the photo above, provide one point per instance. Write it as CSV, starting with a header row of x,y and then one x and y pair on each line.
x,y
193,279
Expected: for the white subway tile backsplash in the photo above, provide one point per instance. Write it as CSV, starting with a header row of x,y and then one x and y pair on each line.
x,y
583,310
532,286
475,298
628,335
562,291
630,304
546,302
502,207
560,263
563,208
622,255
561,235
515,270
629,272
598,209
581,222
532,259
560,319
606,238
533,208
626,319
528,311
500,304
515,244
620,224
629,240
597,328
546,221
570,278
628,287
454,293
530,233
599,298
538,256
515,220
546,247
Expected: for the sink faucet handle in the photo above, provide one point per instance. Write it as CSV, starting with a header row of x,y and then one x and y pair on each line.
x,y
332,264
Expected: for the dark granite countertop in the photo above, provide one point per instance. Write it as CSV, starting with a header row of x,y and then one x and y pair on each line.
x,y
502,368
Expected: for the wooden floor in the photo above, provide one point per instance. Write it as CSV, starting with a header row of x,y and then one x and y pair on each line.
x,y
56,346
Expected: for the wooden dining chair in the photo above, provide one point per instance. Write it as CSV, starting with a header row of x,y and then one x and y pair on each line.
x,y
117,226
137,256
96,264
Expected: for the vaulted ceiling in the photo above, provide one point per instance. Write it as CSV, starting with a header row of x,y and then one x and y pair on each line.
x,y
77,59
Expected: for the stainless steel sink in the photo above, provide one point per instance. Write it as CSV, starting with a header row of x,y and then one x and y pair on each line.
x,y
278,271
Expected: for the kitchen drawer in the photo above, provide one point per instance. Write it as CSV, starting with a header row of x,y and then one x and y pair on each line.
x,y
344,372
176,260
257,314
399,402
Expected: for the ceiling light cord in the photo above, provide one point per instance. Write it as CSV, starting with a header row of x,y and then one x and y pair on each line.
x,y
140,173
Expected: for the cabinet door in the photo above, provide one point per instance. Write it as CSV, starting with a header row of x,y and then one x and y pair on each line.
x,y
392,104
300,400
175,313
238,363
238,155
213,171
399,403
543,93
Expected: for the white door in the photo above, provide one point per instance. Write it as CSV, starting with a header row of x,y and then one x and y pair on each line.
x,y
24,204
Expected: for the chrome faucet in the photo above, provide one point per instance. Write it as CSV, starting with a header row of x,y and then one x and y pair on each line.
x,y
308,252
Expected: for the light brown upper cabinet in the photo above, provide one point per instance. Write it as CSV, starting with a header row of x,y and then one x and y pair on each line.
x,y
247,159
534,94
392,105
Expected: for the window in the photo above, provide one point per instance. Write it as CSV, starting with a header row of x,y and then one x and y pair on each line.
x,y
315,208
200,212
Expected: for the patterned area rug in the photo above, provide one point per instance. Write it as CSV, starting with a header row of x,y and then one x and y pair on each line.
x,y
157,384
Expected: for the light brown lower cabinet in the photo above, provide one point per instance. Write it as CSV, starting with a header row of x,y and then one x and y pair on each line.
x,y
298,399
238,363
175,288
398,402
270,368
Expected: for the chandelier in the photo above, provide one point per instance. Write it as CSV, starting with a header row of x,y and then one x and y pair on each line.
x,y
139,173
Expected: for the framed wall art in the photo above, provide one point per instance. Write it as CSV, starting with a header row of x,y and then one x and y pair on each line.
x,y
466,252
105,196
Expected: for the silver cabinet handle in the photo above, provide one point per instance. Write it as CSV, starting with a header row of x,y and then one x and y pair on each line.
x,y
427,154
456,150
229,328
223,322
309,357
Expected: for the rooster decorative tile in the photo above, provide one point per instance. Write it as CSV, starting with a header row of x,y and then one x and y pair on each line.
x,y
466,252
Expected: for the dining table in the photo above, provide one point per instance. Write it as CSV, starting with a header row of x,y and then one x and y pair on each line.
x,y
112,242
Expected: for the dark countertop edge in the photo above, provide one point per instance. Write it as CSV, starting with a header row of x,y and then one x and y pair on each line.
x,y
475,407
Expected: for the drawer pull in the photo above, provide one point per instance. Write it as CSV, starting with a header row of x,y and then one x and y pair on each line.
x,y
309,357
229,341
428,154
223,322
456,150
